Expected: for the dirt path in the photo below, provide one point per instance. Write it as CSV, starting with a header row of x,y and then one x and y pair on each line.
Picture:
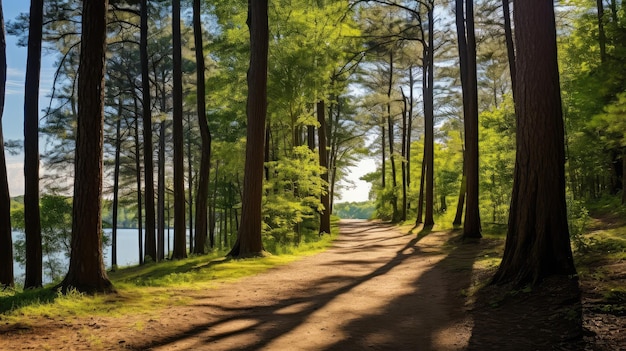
x,y
375,289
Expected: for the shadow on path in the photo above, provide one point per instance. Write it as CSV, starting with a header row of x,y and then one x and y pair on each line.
x,y
375,289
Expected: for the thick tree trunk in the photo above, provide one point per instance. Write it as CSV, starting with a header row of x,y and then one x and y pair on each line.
x,y
32,226
249,241
537,243
86,270
6,242
202,194
323,156
180,234
150,242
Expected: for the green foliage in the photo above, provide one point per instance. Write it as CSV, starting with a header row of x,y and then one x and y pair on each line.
x,y
355,210
578,220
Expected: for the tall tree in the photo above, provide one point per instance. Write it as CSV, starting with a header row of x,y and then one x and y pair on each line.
x,y
6,242
150,242
249,241
429,117
34,271
86,271
180,235
537,243
323,156
467,56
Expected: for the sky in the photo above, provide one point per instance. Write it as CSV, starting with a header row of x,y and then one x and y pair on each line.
x,y
13,117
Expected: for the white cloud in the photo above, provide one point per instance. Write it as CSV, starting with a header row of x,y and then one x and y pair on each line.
x,y
15,174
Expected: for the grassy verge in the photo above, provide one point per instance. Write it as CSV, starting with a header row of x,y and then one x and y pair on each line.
x,y
150,287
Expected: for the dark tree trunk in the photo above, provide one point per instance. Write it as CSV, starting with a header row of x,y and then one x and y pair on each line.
x,y
161,194
323,156
537,243
190,183
420,201
116,184
249,241
310,137
138,180
409,132
86,271
150,242
390,130
403,154
32,226
202,194
467,53
383,147
510,47
460,205
429,119
6,242
180,235
601,32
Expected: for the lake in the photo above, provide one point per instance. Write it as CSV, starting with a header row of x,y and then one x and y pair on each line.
x,y
127,251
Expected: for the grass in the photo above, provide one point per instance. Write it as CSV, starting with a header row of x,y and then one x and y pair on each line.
x,y
148,288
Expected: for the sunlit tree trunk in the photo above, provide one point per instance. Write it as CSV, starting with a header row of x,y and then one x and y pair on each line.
x,y
180,235
32,225
86,270
537,243
249,241
390,130
6,242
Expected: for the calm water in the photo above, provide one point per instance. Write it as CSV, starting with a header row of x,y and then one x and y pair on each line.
x,y
127,250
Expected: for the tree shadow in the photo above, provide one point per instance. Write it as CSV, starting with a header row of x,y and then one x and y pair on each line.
x,y
414,319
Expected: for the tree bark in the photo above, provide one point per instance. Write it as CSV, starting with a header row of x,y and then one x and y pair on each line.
x,y
510,47
537,244
323,156
161,194
139,191
403,154
150,241
429,119
202,194
249,241
32,225
86,270
116,183
190,184
390,130
180,234
6,241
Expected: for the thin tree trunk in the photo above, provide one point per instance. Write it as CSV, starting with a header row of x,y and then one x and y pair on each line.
x,y
202,194
6,241
403,154
383,147
392,156
429,123
249,241
510,47
150,249
420,201
86,269
139,192
116,183
32,226
601,32
161,194
323,157
409,133
180,235
190,183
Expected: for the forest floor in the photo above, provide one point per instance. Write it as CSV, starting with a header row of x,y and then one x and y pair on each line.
x,y
376,288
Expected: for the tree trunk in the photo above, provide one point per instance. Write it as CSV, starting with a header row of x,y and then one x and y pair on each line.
x,y
510,47
429,118
150,242
390,130
139,192
6,241
323,156
249,241
190,183
202,194
601,32
32,225
409,133
403,154
471,225
537,243
420,201
161,195
86,270
180,235
458,218
623,176
116,184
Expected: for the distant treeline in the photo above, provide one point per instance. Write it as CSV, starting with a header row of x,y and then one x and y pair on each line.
x,y
355,210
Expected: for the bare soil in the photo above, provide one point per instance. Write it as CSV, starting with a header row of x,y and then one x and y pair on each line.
x,y
376,289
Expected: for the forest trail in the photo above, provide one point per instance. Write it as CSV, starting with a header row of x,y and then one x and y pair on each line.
x,y
374,289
